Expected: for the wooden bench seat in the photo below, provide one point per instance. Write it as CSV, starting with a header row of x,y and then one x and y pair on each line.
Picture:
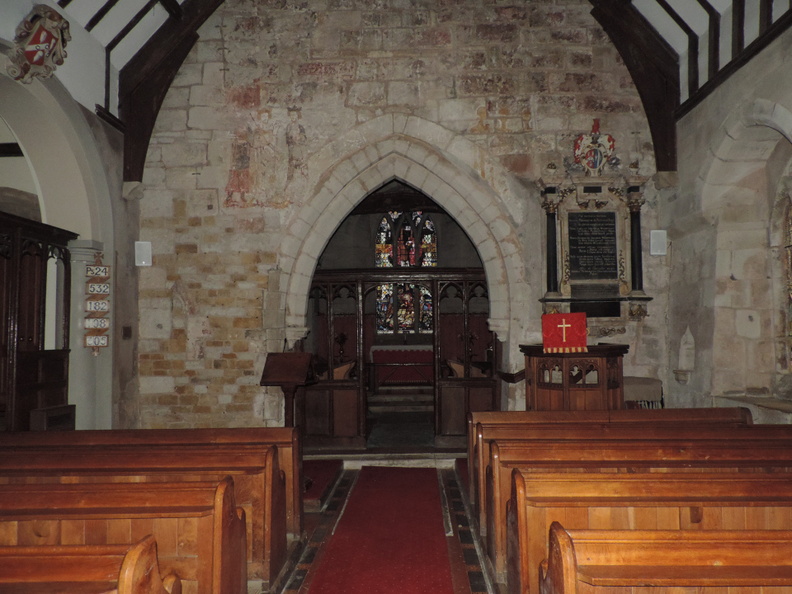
x,y
486,427
198,527
671,500
660,561
258,482
286,439
86,569
617,456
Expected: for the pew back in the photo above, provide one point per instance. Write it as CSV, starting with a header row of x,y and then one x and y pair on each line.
x,y
199,530
83,569
286,440
671,501
258,482
486,427
591,561
617,456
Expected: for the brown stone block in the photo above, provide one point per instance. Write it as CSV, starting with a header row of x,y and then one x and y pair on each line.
x,y
492,84
577,82
605,105
546,17
580,59
397,39
499,32
186,248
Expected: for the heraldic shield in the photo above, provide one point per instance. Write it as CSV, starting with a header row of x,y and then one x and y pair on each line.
x,y
40,44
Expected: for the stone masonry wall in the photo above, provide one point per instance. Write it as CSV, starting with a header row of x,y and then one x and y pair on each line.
x,y
270,84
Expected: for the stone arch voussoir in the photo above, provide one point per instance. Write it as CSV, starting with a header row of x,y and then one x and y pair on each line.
x,y
473,203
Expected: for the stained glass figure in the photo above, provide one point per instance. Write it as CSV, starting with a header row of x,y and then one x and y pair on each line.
x,y
406,247
385,308
426,320
384,245
428,244
406,312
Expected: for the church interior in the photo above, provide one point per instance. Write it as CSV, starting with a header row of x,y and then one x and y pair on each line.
x,y
522,254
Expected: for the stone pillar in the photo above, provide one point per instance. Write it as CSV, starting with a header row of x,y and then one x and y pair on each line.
x,y
635,201
550,200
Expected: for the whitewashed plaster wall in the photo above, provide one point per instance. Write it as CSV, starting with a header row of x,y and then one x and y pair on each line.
x,y
727,279
83,71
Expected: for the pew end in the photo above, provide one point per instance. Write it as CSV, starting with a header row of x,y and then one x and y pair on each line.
x,y
658,560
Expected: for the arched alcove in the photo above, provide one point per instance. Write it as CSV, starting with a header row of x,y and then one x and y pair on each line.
x,y
74,191
739,188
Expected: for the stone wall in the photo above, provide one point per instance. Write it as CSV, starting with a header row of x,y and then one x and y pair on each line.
x,y
287,113
729,229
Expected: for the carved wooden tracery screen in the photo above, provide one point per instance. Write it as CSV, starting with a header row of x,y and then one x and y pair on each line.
x,y
34,318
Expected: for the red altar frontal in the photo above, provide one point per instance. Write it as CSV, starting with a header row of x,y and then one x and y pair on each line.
x,y
402,364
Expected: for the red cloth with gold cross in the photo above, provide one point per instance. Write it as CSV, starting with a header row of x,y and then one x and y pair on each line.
x,y
564,333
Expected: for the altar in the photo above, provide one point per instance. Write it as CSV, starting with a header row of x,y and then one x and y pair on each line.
x,y
401,364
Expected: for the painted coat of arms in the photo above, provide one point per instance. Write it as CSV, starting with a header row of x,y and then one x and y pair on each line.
x,y
40,44
594,150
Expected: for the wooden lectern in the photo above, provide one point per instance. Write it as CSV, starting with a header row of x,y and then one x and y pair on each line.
x,y
290,371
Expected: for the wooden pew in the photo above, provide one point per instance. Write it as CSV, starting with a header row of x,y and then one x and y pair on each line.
x,y
670,500
660,562
258,482
286,439
85,569
623,455
486,427
198,527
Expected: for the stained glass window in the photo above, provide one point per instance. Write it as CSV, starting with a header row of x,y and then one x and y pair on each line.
x,y
405,240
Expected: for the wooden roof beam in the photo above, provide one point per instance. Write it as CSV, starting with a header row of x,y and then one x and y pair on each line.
x,y
145,79
654,67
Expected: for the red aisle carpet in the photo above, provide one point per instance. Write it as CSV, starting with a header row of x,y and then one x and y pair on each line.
x,y
390,538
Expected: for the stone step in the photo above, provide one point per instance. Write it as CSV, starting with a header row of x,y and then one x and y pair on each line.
x,y
391,408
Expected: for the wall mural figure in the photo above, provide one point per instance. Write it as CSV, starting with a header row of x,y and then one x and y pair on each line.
x,y
296,141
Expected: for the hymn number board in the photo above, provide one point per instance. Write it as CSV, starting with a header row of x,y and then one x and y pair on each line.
x,y
97,306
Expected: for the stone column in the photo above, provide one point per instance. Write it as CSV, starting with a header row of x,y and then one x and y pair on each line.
x,y
635,201
550,200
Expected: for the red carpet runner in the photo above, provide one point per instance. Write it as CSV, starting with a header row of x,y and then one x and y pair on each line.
x,y
390,538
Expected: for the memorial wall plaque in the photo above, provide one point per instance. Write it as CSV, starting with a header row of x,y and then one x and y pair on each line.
x,y
593,251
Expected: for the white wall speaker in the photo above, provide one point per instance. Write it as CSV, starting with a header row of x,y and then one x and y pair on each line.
x,y
658,242
142,253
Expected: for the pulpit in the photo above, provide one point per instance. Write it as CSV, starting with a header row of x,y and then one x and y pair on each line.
x,y
574,381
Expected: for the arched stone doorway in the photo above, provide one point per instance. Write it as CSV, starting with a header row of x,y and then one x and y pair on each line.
x,y
398,328
387,149
74,193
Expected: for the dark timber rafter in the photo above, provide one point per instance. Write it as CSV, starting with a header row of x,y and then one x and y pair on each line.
x,y
654,67
145,79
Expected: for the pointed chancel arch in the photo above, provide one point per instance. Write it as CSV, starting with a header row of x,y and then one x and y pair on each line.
x,y
454,186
